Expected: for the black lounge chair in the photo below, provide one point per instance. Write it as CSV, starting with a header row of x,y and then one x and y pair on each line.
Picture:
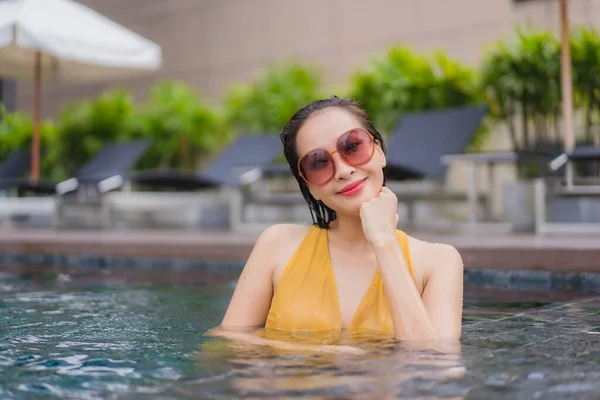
x,y
83,194
112,161
589,154
247,152
14,167
171,179
422,138
13,175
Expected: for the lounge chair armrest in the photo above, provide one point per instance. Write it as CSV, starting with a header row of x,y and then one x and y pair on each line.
x,y
108,184
559,162
67,186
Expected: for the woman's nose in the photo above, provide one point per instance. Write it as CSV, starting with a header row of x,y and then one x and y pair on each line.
x,y
343,170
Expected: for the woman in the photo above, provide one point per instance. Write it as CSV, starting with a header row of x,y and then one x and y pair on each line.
x,y
352,271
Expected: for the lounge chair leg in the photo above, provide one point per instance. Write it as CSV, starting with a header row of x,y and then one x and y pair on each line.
x,y
489,205
410,214
472,195
540,206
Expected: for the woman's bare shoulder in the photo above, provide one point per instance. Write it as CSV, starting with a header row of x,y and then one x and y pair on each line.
x,y
281,233
428,256
428,247
284,239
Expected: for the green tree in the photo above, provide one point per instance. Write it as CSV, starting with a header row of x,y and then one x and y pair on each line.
x,y
267,103
404,81
521,81
16,130
183,128
585,53
84,127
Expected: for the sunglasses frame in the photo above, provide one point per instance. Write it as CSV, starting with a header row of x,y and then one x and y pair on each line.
x,y
331,153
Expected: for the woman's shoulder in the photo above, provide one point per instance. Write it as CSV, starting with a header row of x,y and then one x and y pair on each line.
x,y
427,257
427,247
283,242
282,233
284,239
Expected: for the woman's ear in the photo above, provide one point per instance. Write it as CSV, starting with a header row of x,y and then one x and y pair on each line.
x,y
381,154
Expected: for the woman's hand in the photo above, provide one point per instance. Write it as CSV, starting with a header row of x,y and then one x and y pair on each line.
x,y
379,218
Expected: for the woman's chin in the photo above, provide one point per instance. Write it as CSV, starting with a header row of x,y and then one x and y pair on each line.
x,y
352,209
350,205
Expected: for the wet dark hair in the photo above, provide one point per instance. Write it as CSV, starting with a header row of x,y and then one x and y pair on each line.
x,y
322,215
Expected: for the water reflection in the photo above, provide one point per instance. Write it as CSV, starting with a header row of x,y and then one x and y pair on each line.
x,y
388,369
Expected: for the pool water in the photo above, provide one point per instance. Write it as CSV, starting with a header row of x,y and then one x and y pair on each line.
x,y
60,338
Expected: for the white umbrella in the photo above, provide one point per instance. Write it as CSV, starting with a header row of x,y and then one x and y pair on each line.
x,y
64,40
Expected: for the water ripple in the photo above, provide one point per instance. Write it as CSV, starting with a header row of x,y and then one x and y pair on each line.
x,y
146,342
27,339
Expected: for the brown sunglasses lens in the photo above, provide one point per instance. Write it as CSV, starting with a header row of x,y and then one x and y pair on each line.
x,y
355,147
317,167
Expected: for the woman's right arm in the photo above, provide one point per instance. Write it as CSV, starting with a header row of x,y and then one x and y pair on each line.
x,y
252,296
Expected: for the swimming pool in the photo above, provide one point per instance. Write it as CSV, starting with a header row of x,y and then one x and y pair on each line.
x,y
99,335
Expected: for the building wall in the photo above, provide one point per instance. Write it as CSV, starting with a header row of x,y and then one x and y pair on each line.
x,y
212,43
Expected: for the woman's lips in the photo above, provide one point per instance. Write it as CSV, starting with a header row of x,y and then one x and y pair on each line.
x,y
353,188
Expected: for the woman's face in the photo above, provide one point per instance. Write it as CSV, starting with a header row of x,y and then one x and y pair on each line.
x,y
350,186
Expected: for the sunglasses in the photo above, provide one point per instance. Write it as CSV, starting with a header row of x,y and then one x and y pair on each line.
x,y
355,147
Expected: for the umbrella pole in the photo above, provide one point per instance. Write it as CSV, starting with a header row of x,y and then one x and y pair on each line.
x,y
567,86
35,142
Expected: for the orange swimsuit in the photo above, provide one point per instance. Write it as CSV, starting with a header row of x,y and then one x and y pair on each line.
x,y
306,297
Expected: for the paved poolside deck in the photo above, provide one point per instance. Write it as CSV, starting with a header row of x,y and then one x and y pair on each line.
x,y
522,252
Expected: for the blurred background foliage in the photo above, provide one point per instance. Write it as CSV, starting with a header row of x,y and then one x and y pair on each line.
x,y
265,104
406,81
519,79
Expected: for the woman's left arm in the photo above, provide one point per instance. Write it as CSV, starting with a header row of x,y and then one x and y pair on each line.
x,y
438,313
443,293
